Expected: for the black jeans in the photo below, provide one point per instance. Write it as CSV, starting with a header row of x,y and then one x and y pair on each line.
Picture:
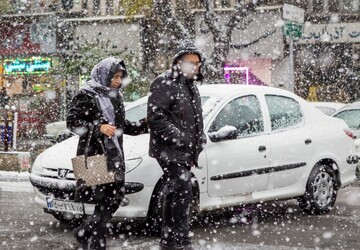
x,y
95,228
176,207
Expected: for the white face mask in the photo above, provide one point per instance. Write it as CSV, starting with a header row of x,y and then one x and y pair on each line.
x,y
188,69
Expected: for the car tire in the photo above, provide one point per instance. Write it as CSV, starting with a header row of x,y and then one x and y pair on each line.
x,y
154,219
320,194
68,218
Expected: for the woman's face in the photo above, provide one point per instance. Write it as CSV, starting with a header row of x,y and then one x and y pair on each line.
x,y
116,80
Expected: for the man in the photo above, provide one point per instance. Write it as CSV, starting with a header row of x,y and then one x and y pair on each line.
x,y
175,120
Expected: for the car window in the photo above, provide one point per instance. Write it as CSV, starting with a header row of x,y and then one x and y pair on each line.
x,y
204,99
284,112
351,117
243,113
136,113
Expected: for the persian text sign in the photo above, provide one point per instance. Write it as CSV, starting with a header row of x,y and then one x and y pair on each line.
x,y
33,65
331,33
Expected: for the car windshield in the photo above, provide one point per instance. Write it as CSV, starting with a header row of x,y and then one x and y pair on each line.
x,y
351,117
139,112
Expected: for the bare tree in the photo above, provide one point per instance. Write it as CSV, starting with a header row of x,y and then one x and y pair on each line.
x,y
222,33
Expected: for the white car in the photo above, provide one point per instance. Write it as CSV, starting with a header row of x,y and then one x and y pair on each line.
x,y
54,129
328,108
351,115
263,144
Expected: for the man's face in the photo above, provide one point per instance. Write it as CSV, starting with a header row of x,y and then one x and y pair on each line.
x,y
189,65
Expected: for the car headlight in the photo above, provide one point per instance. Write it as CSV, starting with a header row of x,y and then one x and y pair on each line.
x,y
36,166
131,164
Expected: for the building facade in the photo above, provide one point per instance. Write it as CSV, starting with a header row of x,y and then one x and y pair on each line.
x,y
36,38
327,55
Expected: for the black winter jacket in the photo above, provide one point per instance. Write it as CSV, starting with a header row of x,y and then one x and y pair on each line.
x,y
175,119
85,113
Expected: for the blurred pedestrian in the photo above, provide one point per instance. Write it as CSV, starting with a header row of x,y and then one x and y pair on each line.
x,y
99,106
176,140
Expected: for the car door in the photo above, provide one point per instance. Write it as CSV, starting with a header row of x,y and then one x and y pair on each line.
x,y
289,139
235,166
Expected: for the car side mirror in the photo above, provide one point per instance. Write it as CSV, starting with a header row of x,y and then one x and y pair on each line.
x,y
225,133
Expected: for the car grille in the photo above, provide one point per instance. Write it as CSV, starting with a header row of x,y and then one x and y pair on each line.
x,y
54,173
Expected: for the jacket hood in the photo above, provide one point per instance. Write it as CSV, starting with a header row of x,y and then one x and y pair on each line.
x,y
103,72
186,47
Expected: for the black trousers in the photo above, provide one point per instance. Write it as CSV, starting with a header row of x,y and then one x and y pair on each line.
x,y
95,228
176,208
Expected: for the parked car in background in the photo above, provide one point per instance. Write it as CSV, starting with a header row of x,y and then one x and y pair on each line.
x,y
328,108
351,115
264,144
57,131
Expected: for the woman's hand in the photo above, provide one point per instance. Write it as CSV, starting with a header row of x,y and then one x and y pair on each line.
x,y
107,130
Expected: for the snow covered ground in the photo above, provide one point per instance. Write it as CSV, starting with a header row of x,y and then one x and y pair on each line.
x,y
12,181
277,230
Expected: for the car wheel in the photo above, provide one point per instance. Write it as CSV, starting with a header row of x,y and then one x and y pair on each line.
x,y
320,193
68,218
154,219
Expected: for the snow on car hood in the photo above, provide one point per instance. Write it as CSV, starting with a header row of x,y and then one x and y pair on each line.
x,y
59,155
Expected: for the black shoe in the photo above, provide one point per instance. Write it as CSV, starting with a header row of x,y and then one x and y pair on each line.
x,y
81,237
165,245
187,247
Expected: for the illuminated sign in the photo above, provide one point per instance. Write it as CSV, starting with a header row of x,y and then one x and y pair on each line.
x,y
24,66
231,72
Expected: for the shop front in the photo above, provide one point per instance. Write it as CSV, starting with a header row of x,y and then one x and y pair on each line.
x,y
32,91
327,62
28,81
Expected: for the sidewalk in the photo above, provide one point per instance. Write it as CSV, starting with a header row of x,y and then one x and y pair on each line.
x,y
14,176
21,158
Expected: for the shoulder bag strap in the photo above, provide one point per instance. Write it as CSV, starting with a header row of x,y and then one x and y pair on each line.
x,y
86,151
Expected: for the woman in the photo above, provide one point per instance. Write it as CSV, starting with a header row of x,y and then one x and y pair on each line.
x,y
98,109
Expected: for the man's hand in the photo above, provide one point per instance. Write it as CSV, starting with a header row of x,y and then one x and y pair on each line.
x,y
107,130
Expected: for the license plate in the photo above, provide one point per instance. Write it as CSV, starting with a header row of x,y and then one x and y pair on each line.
x,y
64,206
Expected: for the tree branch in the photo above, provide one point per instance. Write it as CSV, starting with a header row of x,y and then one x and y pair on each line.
x,y
211,19
163,10
242,46
240,13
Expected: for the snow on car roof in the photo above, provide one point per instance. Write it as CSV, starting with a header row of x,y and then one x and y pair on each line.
x,y
354,105
221,90
335,105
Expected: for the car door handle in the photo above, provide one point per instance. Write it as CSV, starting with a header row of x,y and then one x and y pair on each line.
x,y
262,148
308,141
